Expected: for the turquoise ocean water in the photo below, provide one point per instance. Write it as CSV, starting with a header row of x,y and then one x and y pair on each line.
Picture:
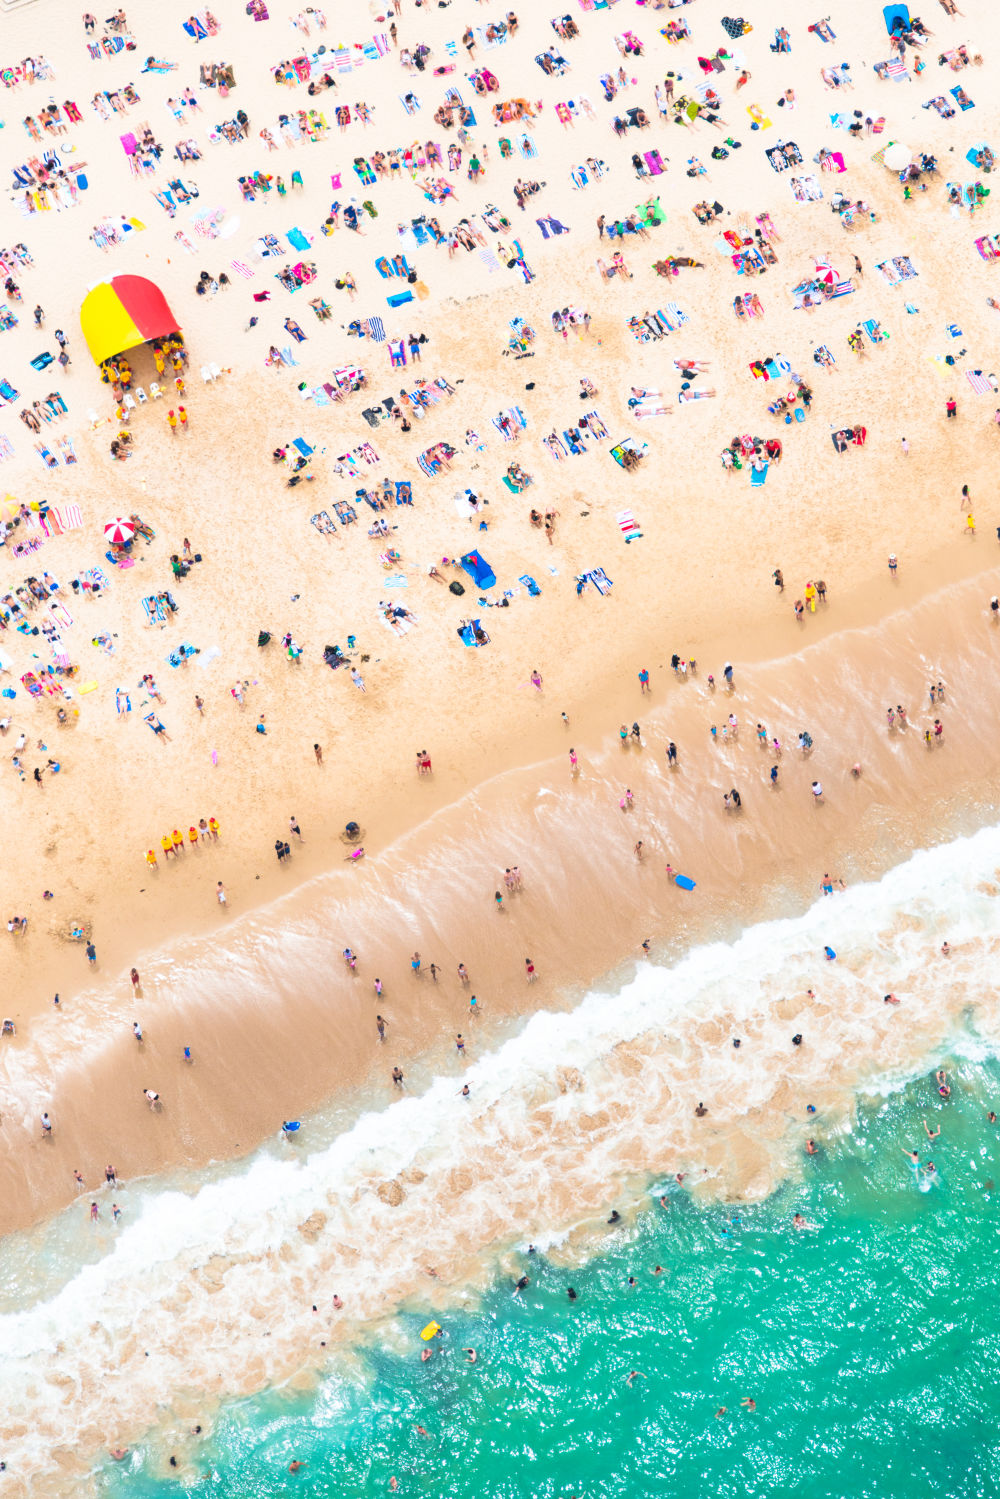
x,y
870,1343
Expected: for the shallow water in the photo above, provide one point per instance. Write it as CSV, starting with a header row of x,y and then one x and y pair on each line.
x,y
206,1288
868,1341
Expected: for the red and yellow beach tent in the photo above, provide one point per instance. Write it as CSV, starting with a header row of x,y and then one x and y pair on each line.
x,y
119,314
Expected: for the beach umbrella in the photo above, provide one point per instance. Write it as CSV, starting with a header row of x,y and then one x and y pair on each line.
x,y
897,157
825,272
119,531
9,507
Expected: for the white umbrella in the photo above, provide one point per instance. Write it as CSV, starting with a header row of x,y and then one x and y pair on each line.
x,y
897,157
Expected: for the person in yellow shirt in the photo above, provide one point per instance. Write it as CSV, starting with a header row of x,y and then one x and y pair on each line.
x,y
192,835
811,597
172,422
151,857
213,828
166,844
177,839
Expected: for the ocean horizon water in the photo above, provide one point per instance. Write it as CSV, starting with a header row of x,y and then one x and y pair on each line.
x,y
198,1307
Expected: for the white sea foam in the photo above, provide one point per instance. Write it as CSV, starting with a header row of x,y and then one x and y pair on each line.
x,y
208,1285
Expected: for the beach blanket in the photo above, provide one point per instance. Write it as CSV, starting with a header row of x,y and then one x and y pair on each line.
x,y
628,526
758,476
154,611
983,385
600,580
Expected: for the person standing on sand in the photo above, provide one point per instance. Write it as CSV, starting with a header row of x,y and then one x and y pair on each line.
x,y
380,1024
317,751
220,893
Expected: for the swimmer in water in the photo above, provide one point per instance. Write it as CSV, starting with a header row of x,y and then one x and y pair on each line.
x,y
470,1354
748,1404
942,1083
635,1374
890,999
664,1203
930,1168
799,1222
811,1147
427,1353
295,1465
421,1431
913,1156
932,1134
656,1270
946,949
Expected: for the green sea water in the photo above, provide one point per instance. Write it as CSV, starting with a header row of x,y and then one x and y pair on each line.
x,y
870,1343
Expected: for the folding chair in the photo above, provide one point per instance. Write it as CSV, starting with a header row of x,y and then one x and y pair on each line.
x,y
154,390
140,395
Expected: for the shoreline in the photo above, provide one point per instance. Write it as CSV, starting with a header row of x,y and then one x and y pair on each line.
x,y
625,1089
259,1005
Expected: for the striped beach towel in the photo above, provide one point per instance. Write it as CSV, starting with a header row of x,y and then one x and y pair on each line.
x,y
628,525
70,517
489,260
897,70
342,59
6,447
980,382
242,269
376,330
673,316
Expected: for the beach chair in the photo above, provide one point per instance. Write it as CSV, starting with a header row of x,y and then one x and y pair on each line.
x,y
155,392
140,395
206,374
128,402
215,371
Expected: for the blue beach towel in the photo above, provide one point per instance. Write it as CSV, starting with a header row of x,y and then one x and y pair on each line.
x,y
530,585
298,239
400,298
758,476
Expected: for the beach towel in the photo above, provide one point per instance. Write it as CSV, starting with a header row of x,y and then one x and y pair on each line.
x,y
758,476
400,298
154,611
962,99
376,330
530,584
175,658
600,580
982,384
628,526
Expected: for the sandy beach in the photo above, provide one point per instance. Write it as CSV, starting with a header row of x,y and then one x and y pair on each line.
x,y
698,582
277,1024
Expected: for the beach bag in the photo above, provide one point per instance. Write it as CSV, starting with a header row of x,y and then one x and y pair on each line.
x,y
456,587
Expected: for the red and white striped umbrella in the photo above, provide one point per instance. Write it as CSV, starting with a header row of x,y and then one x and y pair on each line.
x,y
119,531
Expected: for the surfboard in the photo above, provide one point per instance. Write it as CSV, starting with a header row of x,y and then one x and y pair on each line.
x,y
684,882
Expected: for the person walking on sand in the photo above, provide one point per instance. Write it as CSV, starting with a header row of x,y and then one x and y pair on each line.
x,y
380,1026
536,681
220,892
